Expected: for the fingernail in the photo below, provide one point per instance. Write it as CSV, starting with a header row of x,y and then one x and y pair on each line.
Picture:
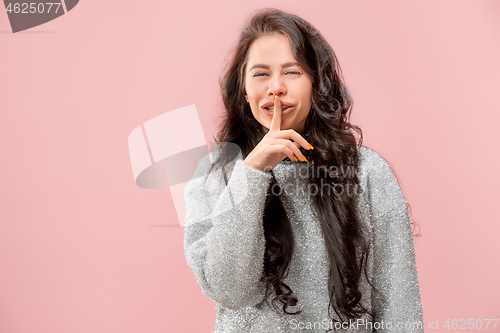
x,y
305,159
296,158
274,97
309,145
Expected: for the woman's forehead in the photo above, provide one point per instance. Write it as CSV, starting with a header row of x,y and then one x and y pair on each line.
x,y
273,50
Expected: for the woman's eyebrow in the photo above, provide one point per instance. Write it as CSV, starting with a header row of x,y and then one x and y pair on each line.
x,y
287,64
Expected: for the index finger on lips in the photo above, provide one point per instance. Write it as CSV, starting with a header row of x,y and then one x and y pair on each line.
x,y
276,121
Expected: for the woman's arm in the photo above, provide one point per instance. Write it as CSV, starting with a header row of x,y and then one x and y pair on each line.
x,y
394,266
224,240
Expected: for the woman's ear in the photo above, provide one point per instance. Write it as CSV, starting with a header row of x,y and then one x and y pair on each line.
x,y
246,97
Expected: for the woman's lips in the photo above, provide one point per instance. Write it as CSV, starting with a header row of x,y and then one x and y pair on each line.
x,y
283,112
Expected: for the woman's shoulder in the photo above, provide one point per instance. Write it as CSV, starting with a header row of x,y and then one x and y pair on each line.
x,y
204,171
371,163
377,176
213,171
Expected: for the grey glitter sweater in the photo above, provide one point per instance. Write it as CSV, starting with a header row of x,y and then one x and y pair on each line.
x,y
224,246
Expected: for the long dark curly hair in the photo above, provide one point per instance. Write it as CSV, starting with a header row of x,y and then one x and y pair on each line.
x,y
328,129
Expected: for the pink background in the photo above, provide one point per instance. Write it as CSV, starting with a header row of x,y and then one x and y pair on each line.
x,y
84,249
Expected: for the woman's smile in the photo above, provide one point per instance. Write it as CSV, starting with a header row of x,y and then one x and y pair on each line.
x,y
286,107
284,110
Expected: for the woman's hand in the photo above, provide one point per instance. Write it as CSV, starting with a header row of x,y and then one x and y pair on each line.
x,y
276,144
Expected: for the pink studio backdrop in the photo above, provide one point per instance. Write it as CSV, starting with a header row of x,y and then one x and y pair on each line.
x,y
84,249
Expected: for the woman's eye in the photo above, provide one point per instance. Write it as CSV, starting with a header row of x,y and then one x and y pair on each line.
x,y
289,72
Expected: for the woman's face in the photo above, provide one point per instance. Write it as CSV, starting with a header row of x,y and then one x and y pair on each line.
x,y
271,68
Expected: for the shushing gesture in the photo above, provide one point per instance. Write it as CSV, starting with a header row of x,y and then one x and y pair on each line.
x,y
276,145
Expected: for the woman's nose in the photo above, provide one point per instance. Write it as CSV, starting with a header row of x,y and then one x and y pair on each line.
x,y
276,86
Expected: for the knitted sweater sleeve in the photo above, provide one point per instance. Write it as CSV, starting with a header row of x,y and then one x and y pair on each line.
x,y
394,265
224,239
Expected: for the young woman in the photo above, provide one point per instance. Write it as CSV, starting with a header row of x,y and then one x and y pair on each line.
x,y
299,229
